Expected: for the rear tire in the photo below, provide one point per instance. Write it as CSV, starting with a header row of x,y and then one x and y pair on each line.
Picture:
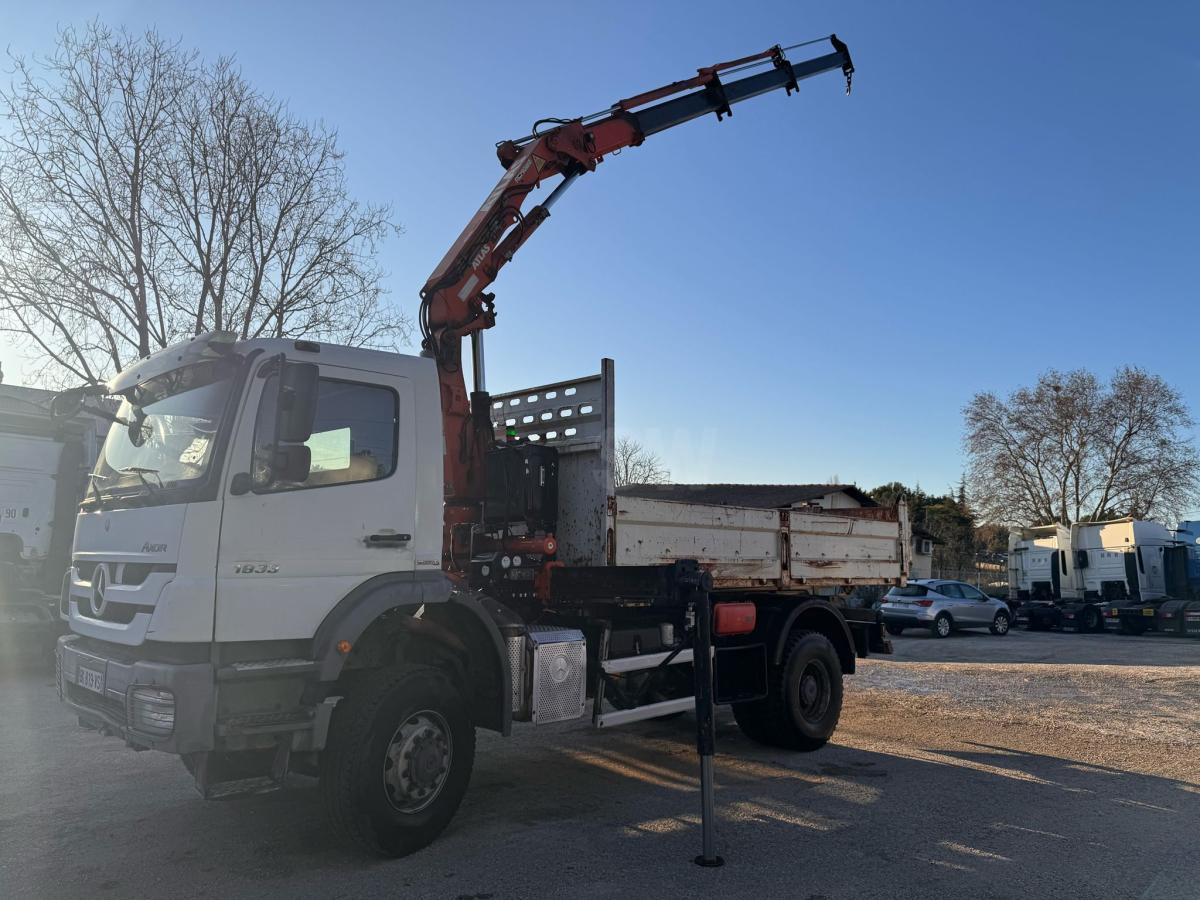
x,y
1000,624
805,701
1090,621
398,761
942,626
895,630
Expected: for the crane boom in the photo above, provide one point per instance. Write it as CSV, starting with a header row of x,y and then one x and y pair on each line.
x,y
455,302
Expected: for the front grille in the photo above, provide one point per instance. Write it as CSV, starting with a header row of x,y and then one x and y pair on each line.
x,y
110,705
117,613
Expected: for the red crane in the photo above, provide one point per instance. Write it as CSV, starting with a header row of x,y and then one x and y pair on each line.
x,y
455,302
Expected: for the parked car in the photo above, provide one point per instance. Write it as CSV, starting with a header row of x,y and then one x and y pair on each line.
x,y
941,607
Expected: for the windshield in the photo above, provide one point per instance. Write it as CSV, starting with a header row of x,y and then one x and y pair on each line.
x,y
167,434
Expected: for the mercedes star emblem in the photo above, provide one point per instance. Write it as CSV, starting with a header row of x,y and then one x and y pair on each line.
x,y
99,584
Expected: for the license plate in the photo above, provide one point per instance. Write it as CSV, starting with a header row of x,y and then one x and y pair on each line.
x,y
1147,612
91,679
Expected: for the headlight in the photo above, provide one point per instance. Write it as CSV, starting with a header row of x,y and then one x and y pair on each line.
x,y
151,711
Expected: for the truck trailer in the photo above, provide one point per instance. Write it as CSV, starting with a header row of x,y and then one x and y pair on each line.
x,y
302,557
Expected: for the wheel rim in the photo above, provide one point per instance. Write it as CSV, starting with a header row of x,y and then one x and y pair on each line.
x,y
814,692
1002,624
416,764
943,627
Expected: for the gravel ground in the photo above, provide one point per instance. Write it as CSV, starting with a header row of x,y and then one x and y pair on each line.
x,y
989,778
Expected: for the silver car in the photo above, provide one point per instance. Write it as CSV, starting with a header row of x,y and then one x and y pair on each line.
x,y
941,607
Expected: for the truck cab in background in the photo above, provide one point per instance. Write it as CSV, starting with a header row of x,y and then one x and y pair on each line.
x,y
1089,575
43,466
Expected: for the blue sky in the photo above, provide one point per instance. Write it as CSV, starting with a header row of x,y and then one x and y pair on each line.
x,y
817,286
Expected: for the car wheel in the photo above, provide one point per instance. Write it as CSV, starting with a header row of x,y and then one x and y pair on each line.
x,y
895,629
805,700
1000,624
401,747
942,626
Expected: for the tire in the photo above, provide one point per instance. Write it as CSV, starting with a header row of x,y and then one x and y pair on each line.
x,y
1001,624
391,716
1090,621
804,702
942,626
895,630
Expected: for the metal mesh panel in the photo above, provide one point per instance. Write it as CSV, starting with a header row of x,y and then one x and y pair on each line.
x,y
516,666
559,674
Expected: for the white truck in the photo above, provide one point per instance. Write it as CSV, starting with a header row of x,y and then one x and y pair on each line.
x,y
312,558
255,625
1078,577
43,464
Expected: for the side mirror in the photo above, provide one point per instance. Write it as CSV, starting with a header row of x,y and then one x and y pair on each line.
x,y
68,403
292,463
296,407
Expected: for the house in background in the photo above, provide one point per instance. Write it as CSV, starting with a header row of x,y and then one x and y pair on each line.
x,y
923,543
758,496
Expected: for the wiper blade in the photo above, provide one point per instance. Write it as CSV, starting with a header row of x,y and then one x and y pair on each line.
x,y
93,477
141,472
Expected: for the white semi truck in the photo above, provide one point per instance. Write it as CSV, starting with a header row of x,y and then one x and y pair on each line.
x,y
341,562
1078,576
43,465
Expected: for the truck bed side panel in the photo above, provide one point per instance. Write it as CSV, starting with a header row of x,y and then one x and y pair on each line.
x,y
734,543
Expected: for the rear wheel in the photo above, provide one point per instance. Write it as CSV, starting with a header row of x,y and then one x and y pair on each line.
x,y
942,626
399,758
1090,621
1000,624
894,629
805,700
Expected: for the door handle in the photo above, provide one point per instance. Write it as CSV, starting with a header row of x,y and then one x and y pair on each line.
x,y
386,540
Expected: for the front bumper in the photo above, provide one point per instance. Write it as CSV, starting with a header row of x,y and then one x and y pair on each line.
x,y
192,686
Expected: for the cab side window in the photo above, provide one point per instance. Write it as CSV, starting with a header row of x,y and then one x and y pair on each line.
x,y
353,439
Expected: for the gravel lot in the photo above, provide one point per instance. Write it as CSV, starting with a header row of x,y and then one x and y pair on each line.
x,y
959,770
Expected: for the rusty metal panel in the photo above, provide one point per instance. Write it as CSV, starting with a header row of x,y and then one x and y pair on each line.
x,y
736,544
834,548
575,417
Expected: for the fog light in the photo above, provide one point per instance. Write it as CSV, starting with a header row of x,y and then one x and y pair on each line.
x,y
151,711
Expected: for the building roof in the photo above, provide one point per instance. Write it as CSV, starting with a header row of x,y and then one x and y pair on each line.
x,y
759,496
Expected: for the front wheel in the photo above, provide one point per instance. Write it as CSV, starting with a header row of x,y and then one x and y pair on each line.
x,y
1000,624
1090,621
805,701
399,757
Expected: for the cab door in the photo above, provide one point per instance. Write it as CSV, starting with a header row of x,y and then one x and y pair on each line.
x,y
289,551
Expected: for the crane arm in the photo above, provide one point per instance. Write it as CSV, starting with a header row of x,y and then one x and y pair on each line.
x,y
455,302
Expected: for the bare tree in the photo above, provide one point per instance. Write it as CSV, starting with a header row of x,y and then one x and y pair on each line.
x,y
1072,449
146,196
637,465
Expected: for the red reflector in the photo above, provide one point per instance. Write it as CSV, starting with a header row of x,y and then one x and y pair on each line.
x,y
924,603
734,618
